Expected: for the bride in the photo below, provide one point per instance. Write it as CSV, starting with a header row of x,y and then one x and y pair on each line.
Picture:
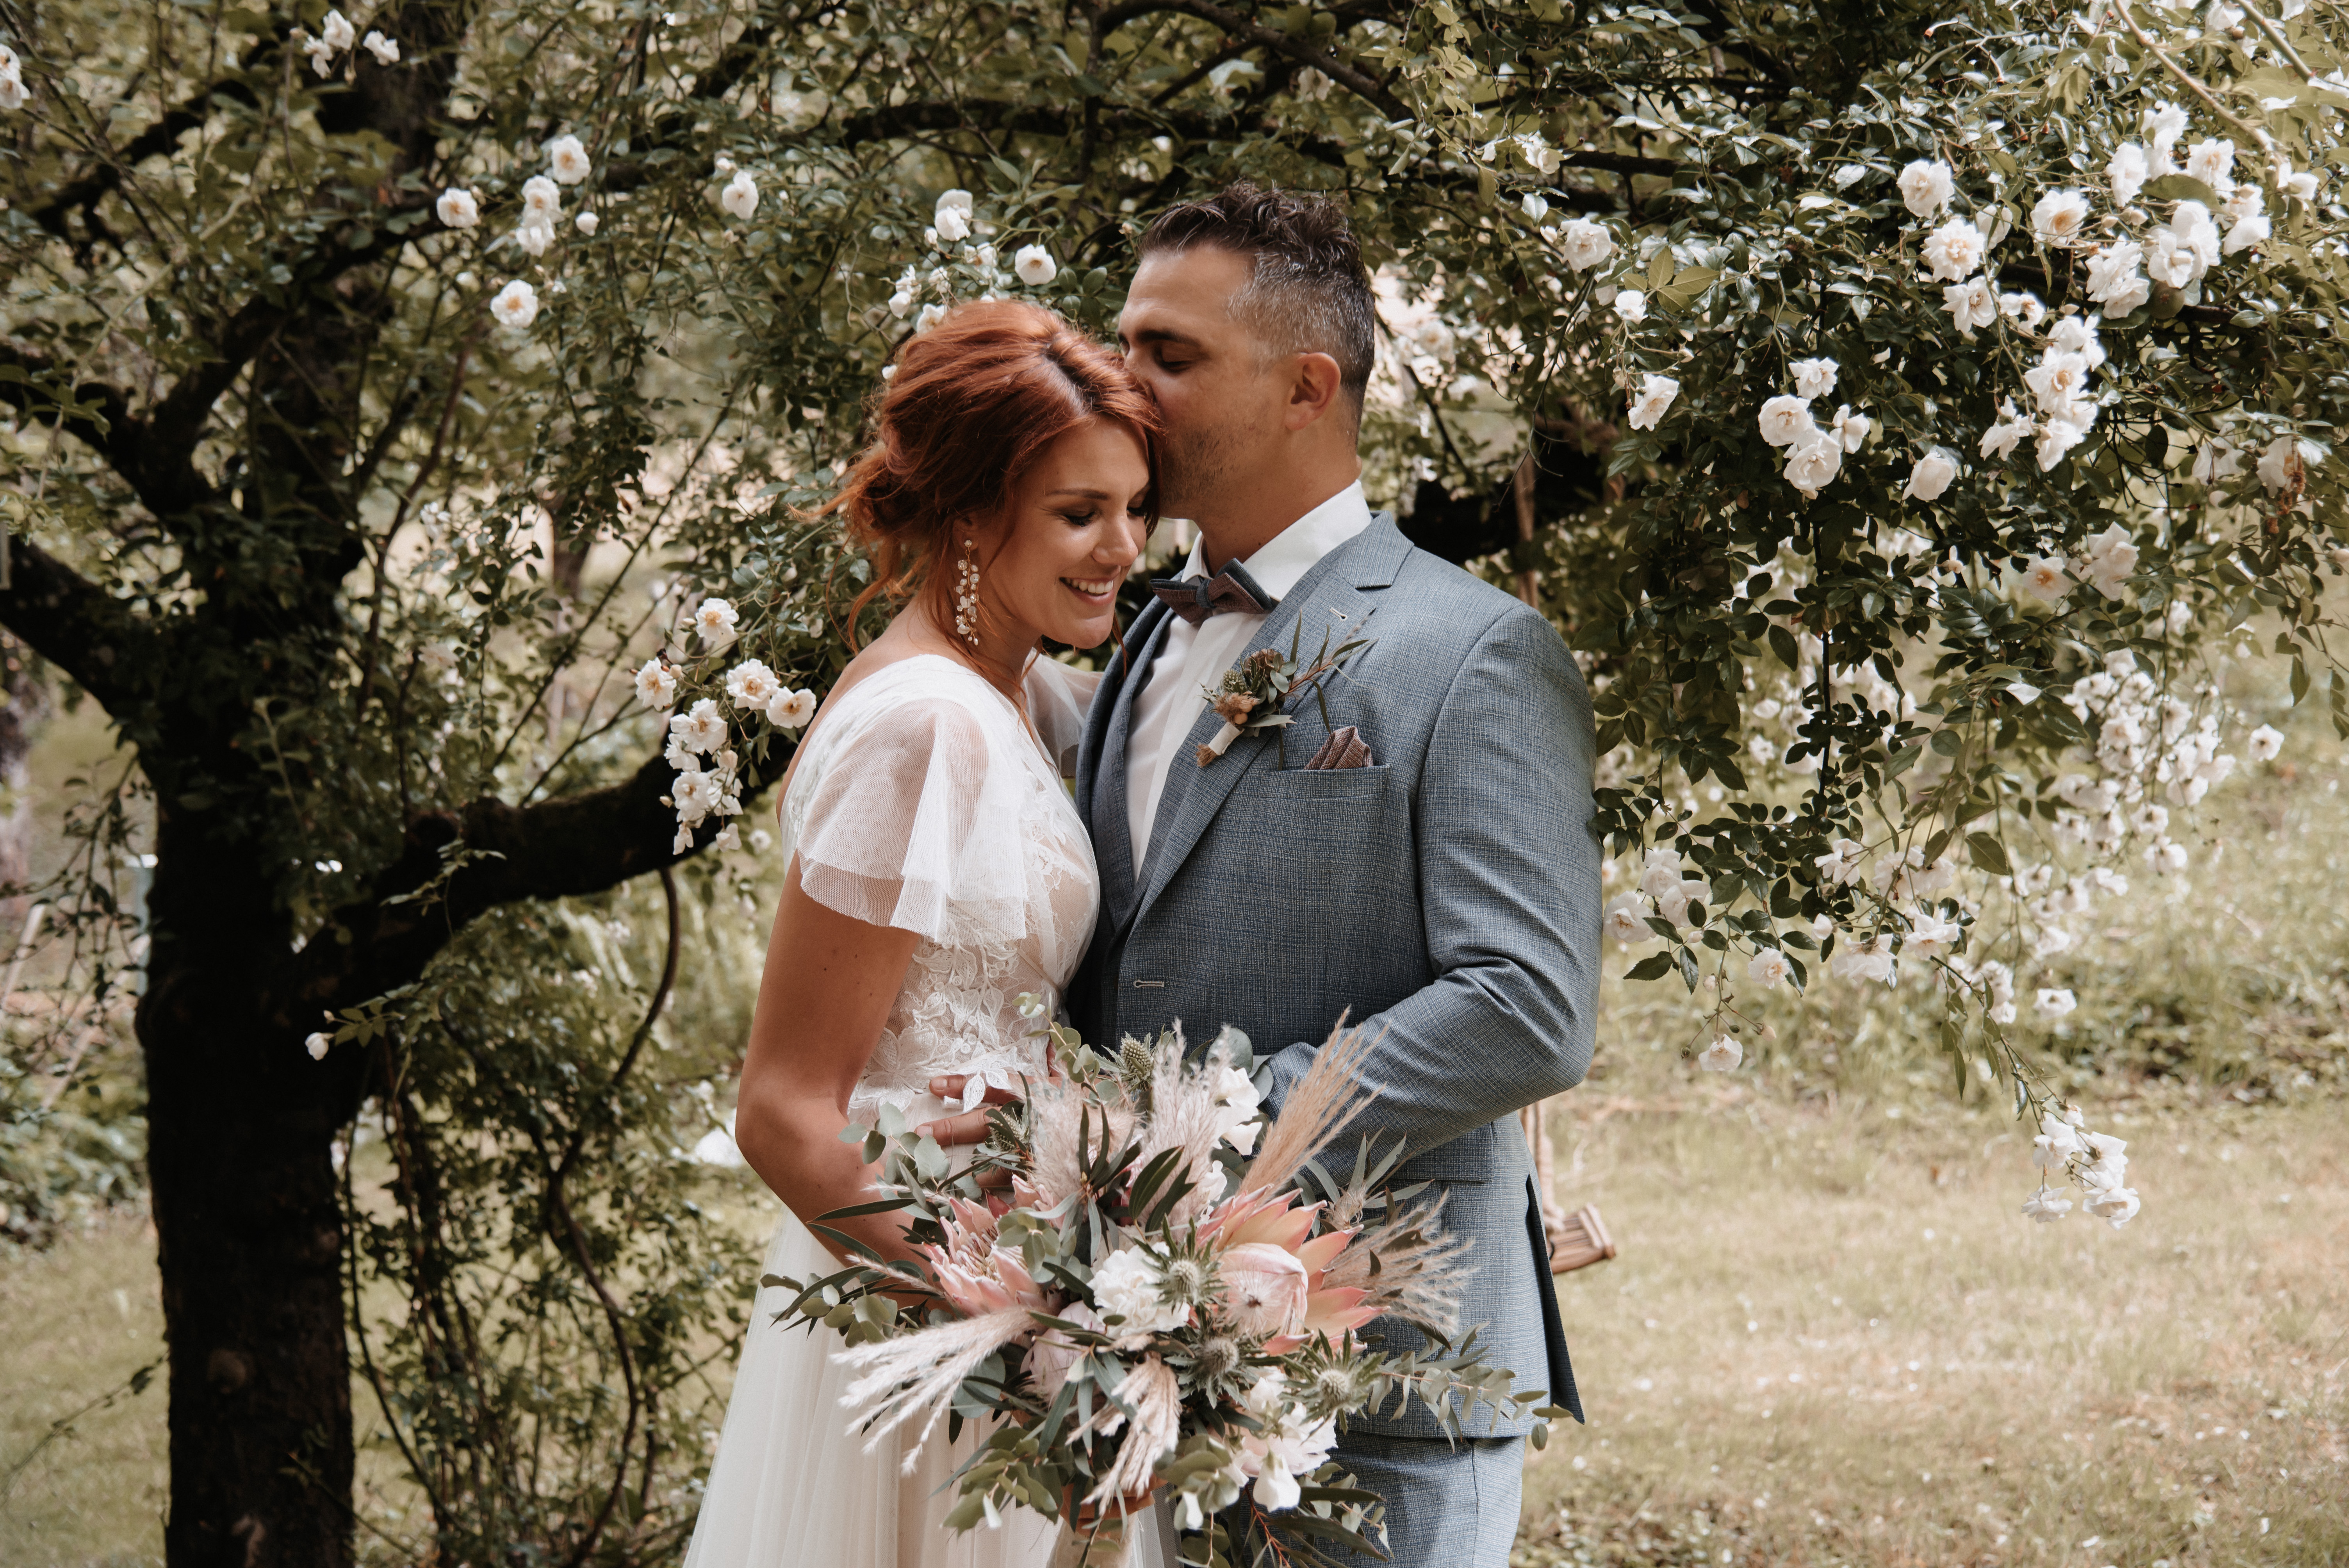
x,y
939,871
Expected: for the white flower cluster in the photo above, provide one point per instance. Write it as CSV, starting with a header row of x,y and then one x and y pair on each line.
x,y
1814,451
1289,1446
1237,1107
699,792
701,731
1665,889
1126,1285
2097,1161
924,292
2061,390
2105,561
460,207
12,81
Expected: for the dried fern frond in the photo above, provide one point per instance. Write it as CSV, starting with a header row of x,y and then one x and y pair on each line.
x,y
1155,1399
923,1370
1420,1275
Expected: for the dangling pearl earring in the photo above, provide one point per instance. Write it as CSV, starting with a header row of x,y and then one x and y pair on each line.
x,y
967,593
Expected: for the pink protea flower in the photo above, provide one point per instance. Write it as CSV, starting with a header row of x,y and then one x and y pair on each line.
x,y
977,1275
1264,1288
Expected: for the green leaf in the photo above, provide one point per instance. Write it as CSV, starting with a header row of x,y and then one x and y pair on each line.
x,y
1988,853
1655,967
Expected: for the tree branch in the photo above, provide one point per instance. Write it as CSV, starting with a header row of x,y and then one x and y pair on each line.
x,y
1360,83
578,844
100,418
76,625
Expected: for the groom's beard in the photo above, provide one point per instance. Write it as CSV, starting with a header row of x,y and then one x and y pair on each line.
x,y
1198,472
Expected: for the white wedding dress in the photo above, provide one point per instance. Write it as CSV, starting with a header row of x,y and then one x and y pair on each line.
x,y
921,801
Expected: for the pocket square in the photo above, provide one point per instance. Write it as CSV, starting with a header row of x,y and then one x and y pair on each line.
x,y
1344,748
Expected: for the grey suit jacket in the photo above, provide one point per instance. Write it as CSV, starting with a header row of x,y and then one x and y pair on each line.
x,y
1447,895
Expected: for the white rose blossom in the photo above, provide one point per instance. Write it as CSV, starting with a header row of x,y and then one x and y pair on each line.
x,y
2023,306
2213,163
1626,919
542,199
1813,463
1955,250
1785,420
2054,1002
1849,430
2001,439
2045,1206
2114,280
2045,580
1972,304
336,32
1926,187
515,306
2059,217
700,730
930,316
2057,437
12,95
385,50
1767,967
714,621
2265,745
1034,266
740,196
566,159
1656,394
2128,171
753,686
587,224
657,684
1583,244
1722,1055
791,709
457,208
1814,377
1931,475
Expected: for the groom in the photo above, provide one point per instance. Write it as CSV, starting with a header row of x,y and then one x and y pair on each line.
x,y
1444,887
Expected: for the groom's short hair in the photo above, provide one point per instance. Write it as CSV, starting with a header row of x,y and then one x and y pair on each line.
x,y
1307,292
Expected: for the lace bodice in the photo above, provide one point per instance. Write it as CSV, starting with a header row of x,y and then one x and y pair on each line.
x,y
922,801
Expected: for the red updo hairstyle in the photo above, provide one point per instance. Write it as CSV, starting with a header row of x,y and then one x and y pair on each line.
x,y
973,405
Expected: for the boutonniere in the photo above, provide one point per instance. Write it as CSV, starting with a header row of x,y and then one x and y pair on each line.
x,y
1250,699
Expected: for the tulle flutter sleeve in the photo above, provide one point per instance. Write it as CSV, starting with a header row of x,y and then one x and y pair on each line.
x,y
916,824
1058,698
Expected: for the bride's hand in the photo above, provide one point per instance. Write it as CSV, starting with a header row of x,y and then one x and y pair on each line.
x,y
970,1126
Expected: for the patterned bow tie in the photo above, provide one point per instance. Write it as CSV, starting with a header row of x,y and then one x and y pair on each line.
x,y
1197,597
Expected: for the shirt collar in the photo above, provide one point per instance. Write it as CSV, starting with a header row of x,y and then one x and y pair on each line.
x,y
1288,555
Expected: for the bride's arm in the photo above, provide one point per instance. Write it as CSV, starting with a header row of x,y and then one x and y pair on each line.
x,y
829,983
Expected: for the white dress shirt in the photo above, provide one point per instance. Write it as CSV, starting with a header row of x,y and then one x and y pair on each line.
x,y
1175,693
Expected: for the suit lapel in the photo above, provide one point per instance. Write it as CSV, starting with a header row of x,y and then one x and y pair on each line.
x,y
1330,591
1105,802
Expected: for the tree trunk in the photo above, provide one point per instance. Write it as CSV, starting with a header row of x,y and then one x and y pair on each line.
x,y
23,704
240,1128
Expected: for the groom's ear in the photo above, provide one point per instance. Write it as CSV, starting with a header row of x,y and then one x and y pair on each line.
x,y
1314,390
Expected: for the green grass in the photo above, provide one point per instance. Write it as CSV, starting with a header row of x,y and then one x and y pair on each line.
x,y
1830,1339
82,1317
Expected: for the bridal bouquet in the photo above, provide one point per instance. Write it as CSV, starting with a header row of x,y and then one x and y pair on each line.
x,y
1133,1303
